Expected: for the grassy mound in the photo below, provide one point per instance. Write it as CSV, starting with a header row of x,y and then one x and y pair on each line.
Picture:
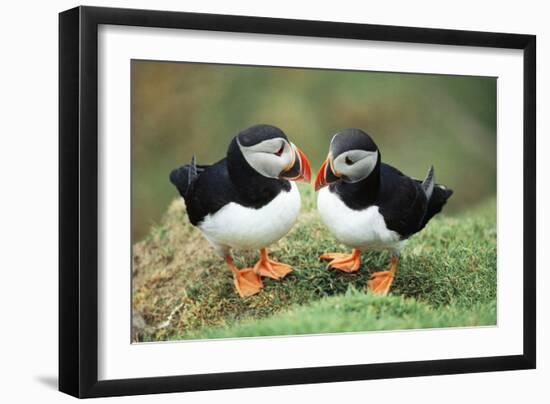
x,y
181,289
355,311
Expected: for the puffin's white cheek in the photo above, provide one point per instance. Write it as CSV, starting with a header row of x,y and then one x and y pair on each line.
x,y
285,160
364,163
358,171
275,166
266,164
348,171
364,167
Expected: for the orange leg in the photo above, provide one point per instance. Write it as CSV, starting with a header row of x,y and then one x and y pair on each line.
x,y
343,262
270,268
246,281
380,282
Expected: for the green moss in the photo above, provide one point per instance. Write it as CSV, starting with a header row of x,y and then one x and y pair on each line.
x,y
353,312
446,277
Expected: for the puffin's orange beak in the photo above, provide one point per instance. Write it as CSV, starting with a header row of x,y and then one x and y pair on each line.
x,y
305,170
325,176
300,170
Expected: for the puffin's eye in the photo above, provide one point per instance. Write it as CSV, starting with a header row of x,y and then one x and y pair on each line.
x,y
348,161
281,150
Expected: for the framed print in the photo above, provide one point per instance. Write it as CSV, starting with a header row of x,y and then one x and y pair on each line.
x,y
251,201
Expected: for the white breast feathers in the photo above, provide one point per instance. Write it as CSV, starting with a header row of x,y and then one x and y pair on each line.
x,y
363,229
238,227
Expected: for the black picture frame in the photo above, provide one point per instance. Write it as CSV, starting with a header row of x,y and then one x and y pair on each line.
x,y
78,200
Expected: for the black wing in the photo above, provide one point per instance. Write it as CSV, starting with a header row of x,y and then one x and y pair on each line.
x,y
402,201
212,190
205,189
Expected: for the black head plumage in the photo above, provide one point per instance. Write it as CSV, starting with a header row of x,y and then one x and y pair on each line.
x,y
351,139
258,133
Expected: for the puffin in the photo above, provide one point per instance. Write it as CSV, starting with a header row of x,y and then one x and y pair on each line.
x,y
247,201
371,206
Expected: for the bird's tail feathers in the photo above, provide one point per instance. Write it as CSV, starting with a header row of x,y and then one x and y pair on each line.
x,y
429,182
439,197
436,194
184,176
192,169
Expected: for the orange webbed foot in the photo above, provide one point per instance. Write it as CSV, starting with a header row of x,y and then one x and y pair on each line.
x,y
380,282
344,262
270,268
246,281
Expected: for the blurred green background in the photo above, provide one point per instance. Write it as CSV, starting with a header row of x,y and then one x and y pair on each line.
x,y
181,109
